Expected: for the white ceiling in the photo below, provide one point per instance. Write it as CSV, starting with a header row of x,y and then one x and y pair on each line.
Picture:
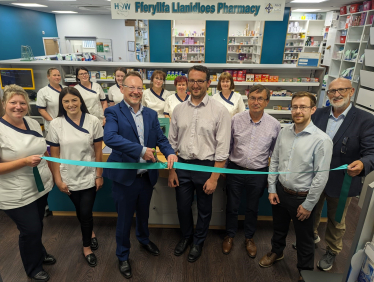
x,y
102,7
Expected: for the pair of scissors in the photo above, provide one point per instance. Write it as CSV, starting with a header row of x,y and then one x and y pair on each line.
x,y
155,155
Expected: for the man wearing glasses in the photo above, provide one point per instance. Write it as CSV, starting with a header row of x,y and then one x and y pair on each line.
x,y
253,136
352,132
200,133
132,130
299,147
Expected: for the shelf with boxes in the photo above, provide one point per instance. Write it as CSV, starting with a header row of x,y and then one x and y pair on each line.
x,y
303,35
351,39
245,42
188,41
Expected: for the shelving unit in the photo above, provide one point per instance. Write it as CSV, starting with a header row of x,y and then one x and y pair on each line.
x,y
356,38
188,41
141,41
245,42
300,34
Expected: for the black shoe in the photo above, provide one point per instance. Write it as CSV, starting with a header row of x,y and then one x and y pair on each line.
x,y
94,244
181,247
125,269
195,253
151,248
91,259
41,276
49,260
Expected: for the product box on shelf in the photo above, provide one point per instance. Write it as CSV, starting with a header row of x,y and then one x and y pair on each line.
x,y
342,39
258,77
250,77
367,5
102,74
265,78
348,22
354,8
343,10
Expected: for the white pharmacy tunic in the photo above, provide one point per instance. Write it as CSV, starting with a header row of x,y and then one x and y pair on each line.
x,y
48,99
93,98
18,188
234,103
154,101
114,94
76,143
171,102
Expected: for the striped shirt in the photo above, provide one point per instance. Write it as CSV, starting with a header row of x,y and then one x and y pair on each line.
x,y
252,143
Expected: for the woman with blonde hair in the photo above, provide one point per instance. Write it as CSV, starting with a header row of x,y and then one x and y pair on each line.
x,y
25,179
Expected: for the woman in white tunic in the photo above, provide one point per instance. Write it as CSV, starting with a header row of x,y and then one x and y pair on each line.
x,y
92,94
114,93
47,97
155,96
22,199
233,101
77,135
172,101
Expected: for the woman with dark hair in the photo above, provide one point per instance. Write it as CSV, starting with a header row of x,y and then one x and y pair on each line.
x,y
92,93
155,96
77,135
47,97
115,95
172,101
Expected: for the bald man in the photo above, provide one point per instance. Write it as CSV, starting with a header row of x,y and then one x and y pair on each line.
x,y
352,132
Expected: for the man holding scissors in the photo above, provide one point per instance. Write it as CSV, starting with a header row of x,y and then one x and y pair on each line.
x,y
132,131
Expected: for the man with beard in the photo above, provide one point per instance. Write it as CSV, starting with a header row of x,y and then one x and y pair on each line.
x,y
200,132
299,147
352,133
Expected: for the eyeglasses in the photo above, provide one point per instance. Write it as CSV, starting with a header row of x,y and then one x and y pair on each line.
x,y
132,88
253,99
83,74
302,108
199,82
340,91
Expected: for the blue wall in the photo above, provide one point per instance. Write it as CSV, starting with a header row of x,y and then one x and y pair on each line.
x,y
160,41
275,33
24,27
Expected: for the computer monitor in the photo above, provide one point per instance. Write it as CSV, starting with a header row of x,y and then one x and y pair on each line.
x,y
21,77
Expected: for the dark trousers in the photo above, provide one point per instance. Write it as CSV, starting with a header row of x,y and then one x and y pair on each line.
x,y
254,184
189,181
83,201
282,215
29,221
130,199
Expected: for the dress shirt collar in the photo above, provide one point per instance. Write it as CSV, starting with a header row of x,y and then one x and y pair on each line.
x,y
132,109
309,129
251,120
204,101
343,114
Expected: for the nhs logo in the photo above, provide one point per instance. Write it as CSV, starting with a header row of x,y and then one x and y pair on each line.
x,y
122,8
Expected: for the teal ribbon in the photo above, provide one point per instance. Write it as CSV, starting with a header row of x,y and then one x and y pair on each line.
x,y
177,165
343,197
38,179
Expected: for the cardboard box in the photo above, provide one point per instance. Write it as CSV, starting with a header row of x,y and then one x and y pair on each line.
x,y
265,78
353,8
102,74
250,77
258,77
343,10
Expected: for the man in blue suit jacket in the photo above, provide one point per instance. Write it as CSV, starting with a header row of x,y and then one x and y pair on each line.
x,y
352,132
132,130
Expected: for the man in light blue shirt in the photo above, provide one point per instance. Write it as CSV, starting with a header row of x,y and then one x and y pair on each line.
x,y
301,147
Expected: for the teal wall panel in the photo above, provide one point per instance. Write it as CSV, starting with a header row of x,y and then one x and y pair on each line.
x,y
24,27
160,41
216,41
275,33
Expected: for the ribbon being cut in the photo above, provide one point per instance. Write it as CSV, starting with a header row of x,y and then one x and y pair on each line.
x,y
159,165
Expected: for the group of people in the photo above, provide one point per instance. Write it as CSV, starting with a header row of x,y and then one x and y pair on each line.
x,y
210,131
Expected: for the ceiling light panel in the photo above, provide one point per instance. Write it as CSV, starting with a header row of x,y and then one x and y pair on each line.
x,y
306,10
64,12
29,5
